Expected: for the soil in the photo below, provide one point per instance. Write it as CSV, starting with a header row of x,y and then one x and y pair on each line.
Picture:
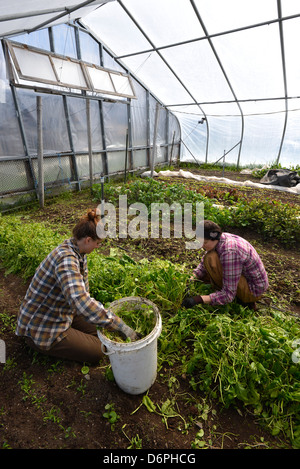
x,y
47,403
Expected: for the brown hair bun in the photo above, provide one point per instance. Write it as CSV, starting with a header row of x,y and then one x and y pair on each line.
x,y
92,215
86,226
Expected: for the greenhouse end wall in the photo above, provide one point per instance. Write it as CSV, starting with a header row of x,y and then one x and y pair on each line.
x,y
121,130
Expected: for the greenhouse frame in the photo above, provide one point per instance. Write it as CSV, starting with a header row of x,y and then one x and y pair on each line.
x,y
99,88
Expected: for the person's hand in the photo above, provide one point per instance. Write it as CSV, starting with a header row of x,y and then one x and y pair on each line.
x,y
130,334
193,277
127,332
192,301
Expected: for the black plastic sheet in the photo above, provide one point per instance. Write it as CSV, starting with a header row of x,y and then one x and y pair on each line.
x,y
281,177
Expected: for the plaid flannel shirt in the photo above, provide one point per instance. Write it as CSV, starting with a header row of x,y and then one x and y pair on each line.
x,y
58,291
238,257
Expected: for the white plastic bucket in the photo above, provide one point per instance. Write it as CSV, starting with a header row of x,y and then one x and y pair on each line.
x,y
134,364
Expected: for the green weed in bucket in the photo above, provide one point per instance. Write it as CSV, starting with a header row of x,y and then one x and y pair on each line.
x,y
140,318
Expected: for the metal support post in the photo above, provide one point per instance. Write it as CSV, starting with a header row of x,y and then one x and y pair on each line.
x,y
89,133
40,151
153,154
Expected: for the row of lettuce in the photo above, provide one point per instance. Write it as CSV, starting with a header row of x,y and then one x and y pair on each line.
x,y
271,218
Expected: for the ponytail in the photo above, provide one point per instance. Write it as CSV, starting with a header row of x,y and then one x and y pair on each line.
x,y
87,225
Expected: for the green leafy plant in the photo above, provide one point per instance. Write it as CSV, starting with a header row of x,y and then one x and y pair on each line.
x,y
52,415
117,276
135,442
271,218
232,354
68,431
85,370
141,319
111,415
7,322
247,359
153,191
81,388
24,245
166,410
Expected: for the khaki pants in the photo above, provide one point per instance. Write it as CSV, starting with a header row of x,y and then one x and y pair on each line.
x,y
80,344
214,270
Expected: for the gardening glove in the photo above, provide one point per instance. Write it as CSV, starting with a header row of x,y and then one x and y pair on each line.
x,y
192,301
127,332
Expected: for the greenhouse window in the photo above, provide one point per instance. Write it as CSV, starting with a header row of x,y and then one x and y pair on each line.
x,y
44,68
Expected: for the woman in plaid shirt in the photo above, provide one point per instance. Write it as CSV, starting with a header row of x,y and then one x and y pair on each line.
x,y
57,316
232,265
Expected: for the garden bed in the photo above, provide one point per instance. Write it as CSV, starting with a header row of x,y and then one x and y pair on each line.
x,y
47,403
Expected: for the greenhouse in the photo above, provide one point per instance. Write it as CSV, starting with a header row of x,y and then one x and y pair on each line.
x,y
122,84
149,227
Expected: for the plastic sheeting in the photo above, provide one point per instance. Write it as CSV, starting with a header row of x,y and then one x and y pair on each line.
x,y
32,14
64,123
281,177
232,62
198,177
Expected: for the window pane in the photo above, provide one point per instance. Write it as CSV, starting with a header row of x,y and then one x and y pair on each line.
x,y
38,39
100,79
64,40
69,73
122,84
34,65
89,48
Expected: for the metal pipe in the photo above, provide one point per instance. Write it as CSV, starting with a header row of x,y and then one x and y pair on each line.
x,y
209,36
66,11
89,133
224,73
284,77
126,155
160,55
153,153
40,151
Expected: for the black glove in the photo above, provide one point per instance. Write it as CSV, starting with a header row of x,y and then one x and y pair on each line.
x,y
192,301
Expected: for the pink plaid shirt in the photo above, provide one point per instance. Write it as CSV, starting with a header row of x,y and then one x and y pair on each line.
x,y
237,257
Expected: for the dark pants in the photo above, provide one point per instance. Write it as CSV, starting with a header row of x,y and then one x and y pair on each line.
x,y
214,270
81,343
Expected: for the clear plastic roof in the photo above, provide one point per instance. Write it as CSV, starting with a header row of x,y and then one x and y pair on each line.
x,y
235,63
17,16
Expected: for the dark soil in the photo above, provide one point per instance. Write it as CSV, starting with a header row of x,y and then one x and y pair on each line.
x,y
63,408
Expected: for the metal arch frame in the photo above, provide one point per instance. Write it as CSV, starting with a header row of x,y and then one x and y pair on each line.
x,y
281,35
207,37
210,36
224,73
169,66
280,19
59,12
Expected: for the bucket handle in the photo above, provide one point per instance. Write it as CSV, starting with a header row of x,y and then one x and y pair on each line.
x,y
104,350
